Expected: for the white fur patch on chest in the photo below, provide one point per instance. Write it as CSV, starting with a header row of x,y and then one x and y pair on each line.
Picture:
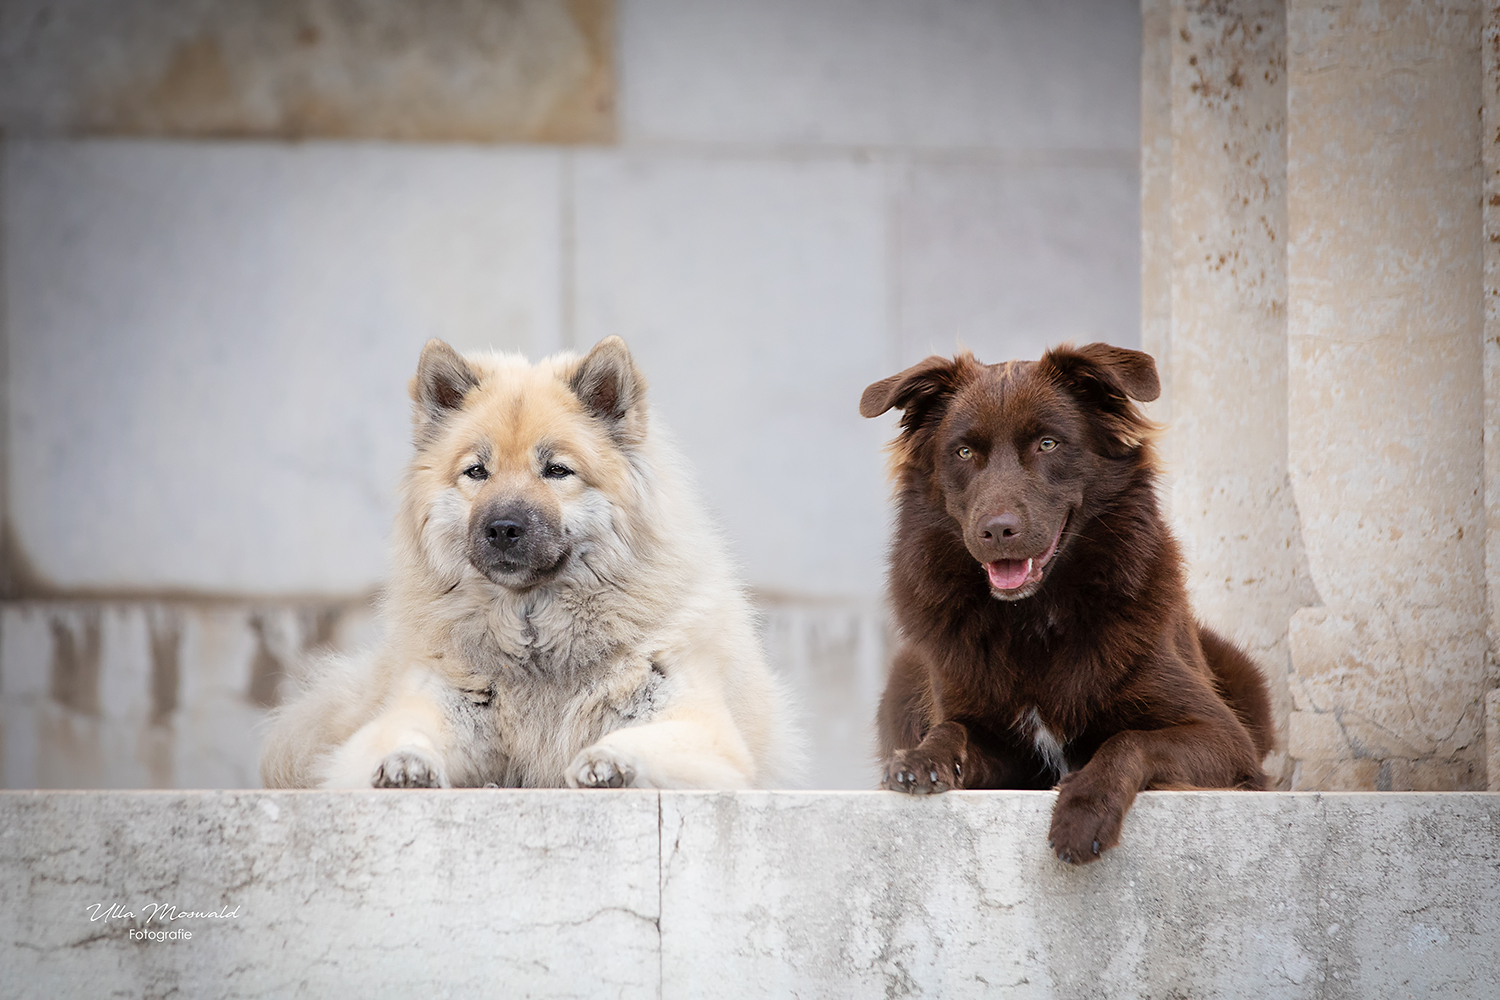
x,y
1048,746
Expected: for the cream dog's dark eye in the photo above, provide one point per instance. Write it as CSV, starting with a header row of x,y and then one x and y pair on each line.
x,y
555,471
477,472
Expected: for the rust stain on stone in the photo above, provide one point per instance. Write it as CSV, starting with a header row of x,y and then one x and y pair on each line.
x,y
76,654
463,70
586,112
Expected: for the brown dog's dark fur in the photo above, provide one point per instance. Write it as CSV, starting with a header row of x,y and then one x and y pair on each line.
x,y
1046,631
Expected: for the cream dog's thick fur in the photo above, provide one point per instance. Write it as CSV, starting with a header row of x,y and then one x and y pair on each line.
x,y
560,613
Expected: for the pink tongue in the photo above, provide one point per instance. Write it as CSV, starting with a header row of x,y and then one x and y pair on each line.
x,y
1008,574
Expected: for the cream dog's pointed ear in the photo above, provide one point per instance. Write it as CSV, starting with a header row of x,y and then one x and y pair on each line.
x,y
612,389
438,388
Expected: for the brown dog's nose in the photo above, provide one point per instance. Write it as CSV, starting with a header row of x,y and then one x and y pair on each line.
x,y
1000,526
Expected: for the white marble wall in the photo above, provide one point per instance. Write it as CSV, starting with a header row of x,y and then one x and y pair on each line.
x,y
209,341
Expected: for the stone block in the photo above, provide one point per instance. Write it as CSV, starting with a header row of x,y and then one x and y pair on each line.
x,y
942,73
1318,736
752,292
1009,260
535,70
958,896
210,346
1403,682
360,894
707,895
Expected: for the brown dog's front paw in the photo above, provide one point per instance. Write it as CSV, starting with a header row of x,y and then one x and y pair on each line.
x,y
1086,820
917,772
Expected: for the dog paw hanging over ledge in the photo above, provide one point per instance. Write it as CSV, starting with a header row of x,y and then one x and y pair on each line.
x,y
699,893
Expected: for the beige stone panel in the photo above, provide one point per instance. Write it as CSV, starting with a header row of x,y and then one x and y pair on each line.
x,y
1231,498
1328,775
1386,387
464,70
1388,685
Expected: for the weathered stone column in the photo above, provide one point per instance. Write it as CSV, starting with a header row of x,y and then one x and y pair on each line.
x,y
1490,146
1386,393
1231,495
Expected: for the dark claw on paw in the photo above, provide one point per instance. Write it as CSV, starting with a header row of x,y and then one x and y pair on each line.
x,y
1096,847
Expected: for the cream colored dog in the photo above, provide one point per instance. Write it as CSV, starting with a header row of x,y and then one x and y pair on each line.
x,y
561,612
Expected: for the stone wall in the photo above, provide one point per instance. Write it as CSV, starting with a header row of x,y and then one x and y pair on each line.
x,y
227,233
684,894
1332,382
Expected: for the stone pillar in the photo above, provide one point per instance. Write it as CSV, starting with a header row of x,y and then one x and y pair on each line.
x,y
1490,149
1231,496
1386,393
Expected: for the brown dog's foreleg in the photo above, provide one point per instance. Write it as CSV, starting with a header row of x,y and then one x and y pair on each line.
x,y
1092,801
934,765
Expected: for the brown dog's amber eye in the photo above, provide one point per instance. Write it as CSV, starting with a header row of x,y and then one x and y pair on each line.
x,y
1046,444
477,472
966,453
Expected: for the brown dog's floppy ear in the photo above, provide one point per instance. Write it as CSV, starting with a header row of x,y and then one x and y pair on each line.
x,y
611,388
1108,378
442,381
1126,372
918,390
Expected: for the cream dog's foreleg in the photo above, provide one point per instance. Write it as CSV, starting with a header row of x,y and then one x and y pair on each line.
x,y
404,746
689,746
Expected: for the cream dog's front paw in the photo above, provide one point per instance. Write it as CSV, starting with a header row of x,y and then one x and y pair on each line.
x,y
601,767
409,767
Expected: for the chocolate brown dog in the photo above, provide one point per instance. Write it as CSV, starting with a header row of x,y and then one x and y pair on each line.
x,y
1046,634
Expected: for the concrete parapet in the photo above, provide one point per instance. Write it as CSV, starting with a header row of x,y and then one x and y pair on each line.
x,y
685,894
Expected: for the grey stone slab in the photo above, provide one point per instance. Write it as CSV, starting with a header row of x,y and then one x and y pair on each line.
x,y
1211,894
209,347
938,73
1008,260
752,292
368,894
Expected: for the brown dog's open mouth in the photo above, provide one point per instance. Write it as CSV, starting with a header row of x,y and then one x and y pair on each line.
x,y
1011,575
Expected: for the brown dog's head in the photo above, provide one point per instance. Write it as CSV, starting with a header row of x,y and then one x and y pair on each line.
x,y
1015,453
522,471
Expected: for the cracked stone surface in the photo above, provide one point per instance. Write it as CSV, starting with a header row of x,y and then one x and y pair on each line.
x,y
362,894
695,894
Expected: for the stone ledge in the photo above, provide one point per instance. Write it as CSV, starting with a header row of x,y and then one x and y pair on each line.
x,y
688,894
